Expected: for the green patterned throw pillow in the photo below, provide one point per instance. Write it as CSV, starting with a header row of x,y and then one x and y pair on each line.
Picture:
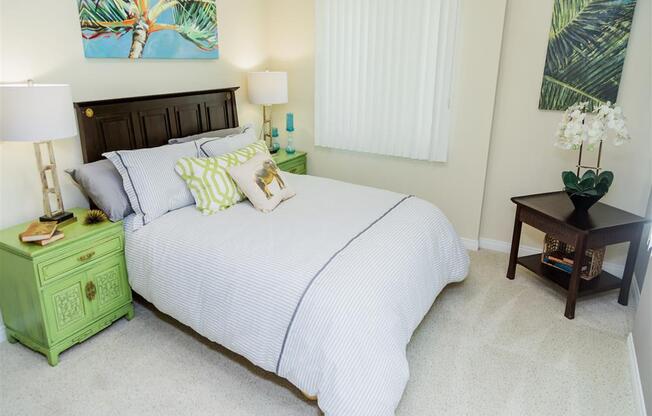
x,y
208,179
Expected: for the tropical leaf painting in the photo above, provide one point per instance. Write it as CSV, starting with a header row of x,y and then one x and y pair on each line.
x,y
586,52
182,29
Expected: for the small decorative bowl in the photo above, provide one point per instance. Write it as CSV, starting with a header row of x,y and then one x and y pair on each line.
x,y
583,203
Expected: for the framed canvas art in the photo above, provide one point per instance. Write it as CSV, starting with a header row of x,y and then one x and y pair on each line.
x,y
157,29
586,52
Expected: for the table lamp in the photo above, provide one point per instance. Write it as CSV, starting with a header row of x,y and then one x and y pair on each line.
x,y
40,113
266,89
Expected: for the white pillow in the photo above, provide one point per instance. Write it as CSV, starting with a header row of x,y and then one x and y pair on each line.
x,y
262,181
150,181
214,147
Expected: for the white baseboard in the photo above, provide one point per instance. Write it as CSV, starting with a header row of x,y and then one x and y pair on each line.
x,y
504,247
639,398
471,245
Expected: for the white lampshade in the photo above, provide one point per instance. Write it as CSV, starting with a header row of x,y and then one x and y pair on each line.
x,y
268,88
36,112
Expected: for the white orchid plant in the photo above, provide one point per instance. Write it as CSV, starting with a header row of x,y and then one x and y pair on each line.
x,y
579,126
581,129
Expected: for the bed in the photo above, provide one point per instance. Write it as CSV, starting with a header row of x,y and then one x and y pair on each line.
x,y
325,291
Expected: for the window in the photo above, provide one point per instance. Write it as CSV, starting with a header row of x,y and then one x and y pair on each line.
x,y
383,76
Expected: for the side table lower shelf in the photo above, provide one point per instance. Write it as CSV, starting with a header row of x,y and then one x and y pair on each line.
x,y
602,226
603,283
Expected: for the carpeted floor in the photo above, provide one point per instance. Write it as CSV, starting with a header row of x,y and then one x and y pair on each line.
x,y
489,346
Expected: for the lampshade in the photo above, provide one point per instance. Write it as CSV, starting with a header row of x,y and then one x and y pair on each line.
x,y
36,112
268,88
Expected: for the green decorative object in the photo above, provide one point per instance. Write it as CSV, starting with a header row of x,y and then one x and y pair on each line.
x,y
588,189
586,52
293,163
59,295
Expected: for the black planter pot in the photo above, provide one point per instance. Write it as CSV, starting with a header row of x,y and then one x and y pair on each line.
x,y
583,203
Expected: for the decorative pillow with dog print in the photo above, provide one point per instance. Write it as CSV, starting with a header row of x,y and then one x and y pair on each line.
x,y
208,180
262,182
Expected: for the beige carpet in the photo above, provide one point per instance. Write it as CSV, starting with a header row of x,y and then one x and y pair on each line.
x,y
489,346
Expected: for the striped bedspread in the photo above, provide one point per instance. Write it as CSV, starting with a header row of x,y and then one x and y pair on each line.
x,y
325,291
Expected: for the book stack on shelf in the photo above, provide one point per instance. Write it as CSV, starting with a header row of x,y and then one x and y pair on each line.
x,y
41,233
560,261
560,255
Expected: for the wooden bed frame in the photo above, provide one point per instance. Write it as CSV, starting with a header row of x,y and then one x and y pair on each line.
x,y
150,121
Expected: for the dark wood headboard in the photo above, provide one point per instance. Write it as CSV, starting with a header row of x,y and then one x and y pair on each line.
x,y
150,121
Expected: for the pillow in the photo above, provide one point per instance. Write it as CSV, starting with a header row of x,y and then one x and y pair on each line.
x,y
212,147
150,182
208,181
262,182
102,184
212,134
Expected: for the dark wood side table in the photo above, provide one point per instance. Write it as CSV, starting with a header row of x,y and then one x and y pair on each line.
x,y
604,225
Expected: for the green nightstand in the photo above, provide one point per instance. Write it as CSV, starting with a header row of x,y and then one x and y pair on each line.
x,y
59,295
294,163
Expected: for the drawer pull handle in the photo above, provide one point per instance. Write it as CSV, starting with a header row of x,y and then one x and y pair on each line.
x,y
91,291
87,256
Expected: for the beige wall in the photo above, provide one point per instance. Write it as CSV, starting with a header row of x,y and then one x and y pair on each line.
x,y
456,186
522,158
56,55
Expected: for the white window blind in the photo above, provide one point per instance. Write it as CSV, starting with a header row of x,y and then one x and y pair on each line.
x,y
383,76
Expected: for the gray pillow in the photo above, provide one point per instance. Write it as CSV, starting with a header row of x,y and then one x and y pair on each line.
x,y
214,147
212,134
101,182
149,179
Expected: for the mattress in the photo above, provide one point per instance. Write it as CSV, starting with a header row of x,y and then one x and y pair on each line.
x,y
325,291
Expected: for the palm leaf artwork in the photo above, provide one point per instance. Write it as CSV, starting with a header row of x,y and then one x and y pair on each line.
x,y
586,52
149,28
196,22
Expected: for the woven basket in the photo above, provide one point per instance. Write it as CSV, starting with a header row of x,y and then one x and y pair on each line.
x,y
555,250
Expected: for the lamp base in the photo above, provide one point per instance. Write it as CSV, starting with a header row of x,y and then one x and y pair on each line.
x,y
59,218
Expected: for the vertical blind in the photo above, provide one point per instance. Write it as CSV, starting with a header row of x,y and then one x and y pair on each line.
x,y
383,76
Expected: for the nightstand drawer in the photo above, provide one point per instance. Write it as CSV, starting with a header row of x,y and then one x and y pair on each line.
x,y
297,166
49,270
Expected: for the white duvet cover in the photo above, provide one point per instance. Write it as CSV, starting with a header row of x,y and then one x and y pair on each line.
x,y
325,291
